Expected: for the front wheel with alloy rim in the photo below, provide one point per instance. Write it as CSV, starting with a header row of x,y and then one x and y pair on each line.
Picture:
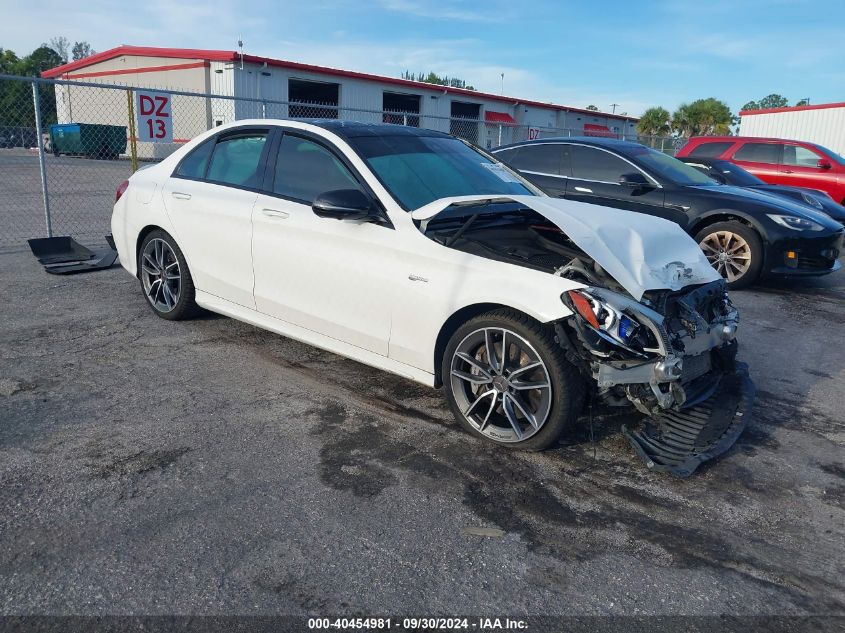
x,y
165,278
735,250
508,381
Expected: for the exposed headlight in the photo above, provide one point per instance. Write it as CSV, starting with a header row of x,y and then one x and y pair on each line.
x,y
609,320
811,200
796,223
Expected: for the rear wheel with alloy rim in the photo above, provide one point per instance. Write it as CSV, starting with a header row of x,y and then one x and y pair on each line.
x,y
165,278
734,250
509,382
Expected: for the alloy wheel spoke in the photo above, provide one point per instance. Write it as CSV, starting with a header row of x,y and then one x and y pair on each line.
x,y
493,401
527,386
491,350
490,392
523,408
475,379
525,368
474,362
150,263
511,415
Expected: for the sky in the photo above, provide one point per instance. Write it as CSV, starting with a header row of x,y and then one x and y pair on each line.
x,y
632,53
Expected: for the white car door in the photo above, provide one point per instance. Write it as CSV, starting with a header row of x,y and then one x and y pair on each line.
x,y
209,199
333,277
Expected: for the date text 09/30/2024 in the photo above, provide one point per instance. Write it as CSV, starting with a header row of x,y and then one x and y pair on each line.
x,y
420,623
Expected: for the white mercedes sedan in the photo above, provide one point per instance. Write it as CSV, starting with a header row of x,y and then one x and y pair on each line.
x,y
417,253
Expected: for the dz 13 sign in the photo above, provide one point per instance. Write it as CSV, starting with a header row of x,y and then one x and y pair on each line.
x,y
154,120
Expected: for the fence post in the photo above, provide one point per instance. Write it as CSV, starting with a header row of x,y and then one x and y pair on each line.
x,y
41,164
133,133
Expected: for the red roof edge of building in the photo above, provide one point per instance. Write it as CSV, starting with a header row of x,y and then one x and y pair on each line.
x,y
231,56
820,106
187,53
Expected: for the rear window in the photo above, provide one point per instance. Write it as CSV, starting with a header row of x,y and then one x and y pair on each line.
x,y
235,159
759,153
710,150
194,164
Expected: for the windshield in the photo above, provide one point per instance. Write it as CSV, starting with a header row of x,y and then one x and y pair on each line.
x,y
839,159
417,170
670,168
736,175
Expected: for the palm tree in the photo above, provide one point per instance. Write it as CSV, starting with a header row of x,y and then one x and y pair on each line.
x,y
654,122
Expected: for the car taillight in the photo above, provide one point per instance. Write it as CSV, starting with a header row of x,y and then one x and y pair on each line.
x,y
121,190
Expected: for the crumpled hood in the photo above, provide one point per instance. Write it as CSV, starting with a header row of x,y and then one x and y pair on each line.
x,y
639,251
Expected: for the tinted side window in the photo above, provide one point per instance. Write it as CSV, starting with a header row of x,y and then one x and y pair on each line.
x,y
305,169
235,159
800,156
710,150
759,153
194,164
541,158
509,156
589,163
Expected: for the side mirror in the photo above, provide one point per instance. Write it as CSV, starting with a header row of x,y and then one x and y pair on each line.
x,y
634,180
824,164
343,204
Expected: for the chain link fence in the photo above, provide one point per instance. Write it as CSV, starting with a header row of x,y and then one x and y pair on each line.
x,y
65,146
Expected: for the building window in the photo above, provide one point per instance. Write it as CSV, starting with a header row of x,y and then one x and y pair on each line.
x,y
309,98
401,109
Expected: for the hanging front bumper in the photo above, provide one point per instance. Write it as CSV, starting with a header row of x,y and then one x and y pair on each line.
x,y
679,441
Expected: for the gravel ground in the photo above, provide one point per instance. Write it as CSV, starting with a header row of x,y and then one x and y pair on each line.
x,y
208,467
81,195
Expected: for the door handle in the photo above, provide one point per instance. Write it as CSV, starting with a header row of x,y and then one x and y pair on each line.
x,y
583,190
275,213
181,196
788,171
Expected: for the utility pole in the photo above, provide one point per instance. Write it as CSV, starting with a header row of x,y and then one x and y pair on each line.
x,y
614,106
503,83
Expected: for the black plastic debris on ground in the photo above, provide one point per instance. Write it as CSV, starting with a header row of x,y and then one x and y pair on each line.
x,y
65,256
679,441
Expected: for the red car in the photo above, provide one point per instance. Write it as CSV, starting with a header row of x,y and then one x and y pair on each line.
x,y
776,161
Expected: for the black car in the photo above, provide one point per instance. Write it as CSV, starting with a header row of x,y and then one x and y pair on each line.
x,y
728,173
744,233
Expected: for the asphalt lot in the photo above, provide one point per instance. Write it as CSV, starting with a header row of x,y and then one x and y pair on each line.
x,y
81,195
208,467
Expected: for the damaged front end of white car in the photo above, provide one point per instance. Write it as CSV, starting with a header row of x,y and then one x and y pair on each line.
x,y
652,325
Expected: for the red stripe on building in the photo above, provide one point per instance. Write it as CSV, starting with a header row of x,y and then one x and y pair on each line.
x,y
143,69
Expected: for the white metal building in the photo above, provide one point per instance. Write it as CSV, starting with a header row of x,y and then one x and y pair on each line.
x,y
823,124
290,89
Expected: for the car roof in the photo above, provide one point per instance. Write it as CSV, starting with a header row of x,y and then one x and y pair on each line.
x,y
743,139
357,129
612,143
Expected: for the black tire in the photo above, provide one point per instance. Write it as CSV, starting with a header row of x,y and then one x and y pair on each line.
x,y
185,307
567,385
755,244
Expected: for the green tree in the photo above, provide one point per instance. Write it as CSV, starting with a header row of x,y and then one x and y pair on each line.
x,y
770,101
655,121
592,107
803,102
61,45
81,50
703,116
16,108
434,78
